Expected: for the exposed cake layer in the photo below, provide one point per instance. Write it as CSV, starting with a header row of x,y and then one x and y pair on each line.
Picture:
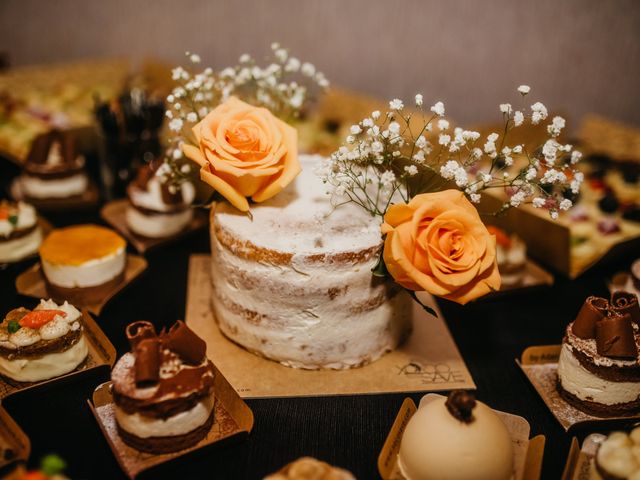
x,y
41,187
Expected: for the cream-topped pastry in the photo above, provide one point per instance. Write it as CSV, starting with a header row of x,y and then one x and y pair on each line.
x,y
163,389
456,438
293,282
599,365
511,253
617,457
41,344
53,169
155,210
82,262
20,234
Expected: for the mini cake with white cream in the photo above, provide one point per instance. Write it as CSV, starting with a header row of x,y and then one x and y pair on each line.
x,y
53,169
83,262
163,389
511,252
618,457
20,234
156,209
599,365
42,343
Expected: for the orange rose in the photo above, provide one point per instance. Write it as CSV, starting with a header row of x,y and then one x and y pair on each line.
x,y
244,151
438,243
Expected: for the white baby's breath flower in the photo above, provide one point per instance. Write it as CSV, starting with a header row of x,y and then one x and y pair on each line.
x,y
396,104
244,58
443,124
176,154
470,135
293,65
175,125
539,112
524,89
492,137
195,58
185,169
553,214
351,139
438,109
367,123
518,118
192,117
375,114
575,156
418,100
281,54
168,114
394,127
444,139
387,178
308,69
418,156
531,174
355,129
377,147
565,204
539,202
517,149
505,108
421,142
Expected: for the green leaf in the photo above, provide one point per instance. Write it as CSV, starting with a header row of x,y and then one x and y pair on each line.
x,y
13,326
380,268
13,220
427,308
52,465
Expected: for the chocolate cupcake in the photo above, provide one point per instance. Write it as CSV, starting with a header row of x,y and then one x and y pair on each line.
x,y
163,389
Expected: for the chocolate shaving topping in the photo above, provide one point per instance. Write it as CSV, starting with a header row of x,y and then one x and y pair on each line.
x,y
148,355
626,302
593,310
181,340
615,338
460,404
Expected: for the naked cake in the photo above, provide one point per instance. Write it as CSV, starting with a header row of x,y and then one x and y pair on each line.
x,y
599,366
293,281
163,389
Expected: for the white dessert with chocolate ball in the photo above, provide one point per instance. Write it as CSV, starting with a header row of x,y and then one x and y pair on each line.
x,y
53,169
20,234
456,438
599,365
293,282
163,389
157,209
511,253
42,343
617,457
83,263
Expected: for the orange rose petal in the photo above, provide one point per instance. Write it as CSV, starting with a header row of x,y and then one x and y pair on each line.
x,y
489,282
398,274
194,153
226,190
396,214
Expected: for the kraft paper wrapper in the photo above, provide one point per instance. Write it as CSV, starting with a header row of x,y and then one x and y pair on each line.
x,y
14,444
46,229
31,282
102,355
527,453
87,200
579,460
428,361
540,365
114,213
233,421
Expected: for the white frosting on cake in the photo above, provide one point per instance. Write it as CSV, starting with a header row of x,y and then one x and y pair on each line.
x,y
294,283
47,366
151,198
88,274
36,187
21,247
578,381
157,226
178,424
26,218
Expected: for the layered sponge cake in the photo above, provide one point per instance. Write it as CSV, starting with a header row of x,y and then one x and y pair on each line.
x,y
292,282
599,365
82,263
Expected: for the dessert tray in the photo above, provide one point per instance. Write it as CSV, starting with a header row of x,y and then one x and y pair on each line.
x,y
233,421
428,361
87,200
102,355
578,466
114,213
527,452
14,444
32,284
540,364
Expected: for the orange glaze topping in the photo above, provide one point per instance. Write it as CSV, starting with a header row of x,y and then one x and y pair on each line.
x,y
80,244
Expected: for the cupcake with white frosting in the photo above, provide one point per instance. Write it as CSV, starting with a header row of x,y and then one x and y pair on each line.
x,y
20,234
42,343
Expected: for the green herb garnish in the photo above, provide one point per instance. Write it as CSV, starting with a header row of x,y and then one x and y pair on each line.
x,y
13,326
13,220
52,465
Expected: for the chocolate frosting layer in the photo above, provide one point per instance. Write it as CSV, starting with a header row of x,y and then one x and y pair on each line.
x,y
460,404
626,303
615,337
593,310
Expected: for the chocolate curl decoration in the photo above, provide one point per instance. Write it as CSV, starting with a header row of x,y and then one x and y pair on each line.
x,y
615,338
460,404
138,331
626,303
148,355
181,340
593,310
145,173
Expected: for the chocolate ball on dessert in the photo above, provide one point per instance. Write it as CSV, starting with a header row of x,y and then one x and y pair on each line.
x,y
457,438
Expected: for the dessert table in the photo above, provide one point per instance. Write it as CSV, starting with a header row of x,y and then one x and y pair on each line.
x,y
346,431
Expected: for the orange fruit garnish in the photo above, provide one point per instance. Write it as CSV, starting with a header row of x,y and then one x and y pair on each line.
x,y
4,213
38,318
34,476
502,238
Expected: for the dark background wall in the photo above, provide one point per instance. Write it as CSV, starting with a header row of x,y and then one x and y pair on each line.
x,y
578,55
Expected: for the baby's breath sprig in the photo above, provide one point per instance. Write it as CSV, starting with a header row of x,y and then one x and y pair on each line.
x,y
394,156
285,86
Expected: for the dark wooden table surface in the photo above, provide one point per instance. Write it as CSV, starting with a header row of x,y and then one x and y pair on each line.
x,y
347,430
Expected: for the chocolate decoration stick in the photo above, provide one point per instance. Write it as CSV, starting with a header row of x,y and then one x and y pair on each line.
x,y
626,302
181,340
148,359
593,310
138,331
615,338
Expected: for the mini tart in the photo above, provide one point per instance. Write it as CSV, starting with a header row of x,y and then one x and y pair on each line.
x,y
32,353
172,415
596,384
618,457
82,263
20,234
